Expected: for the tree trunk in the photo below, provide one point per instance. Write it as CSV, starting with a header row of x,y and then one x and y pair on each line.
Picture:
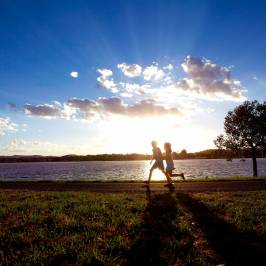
x,y
254,159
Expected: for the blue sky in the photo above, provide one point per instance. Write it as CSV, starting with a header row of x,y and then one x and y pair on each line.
x,y
176,67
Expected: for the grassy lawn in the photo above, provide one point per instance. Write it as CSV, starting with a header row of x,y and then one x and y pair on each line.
x,y
84,228
247,211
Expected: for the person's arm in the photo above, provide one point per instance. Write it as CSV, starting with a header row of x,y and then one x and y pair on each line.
x,y
153,156
159,154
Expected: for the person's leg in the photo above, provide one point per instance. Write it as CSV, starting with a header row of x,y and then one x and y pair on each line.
x,y
155,165
150,174
168,176
182,175
169,179
175,175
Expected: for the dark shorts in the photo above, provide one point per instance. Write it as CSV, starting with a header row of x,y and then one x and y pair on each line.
x,y
158,164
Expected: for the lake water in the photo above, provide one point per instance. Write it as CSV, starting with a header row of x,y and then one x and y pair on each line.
x,y
125,170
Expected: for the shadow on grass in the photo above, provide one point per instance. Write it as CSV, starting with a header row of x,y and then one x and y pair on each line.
x,y
159,240
156,227
233,246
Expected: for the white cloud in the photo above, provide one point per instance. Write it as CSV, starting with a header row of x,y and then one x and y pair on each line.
x,y
209,80
133,88
201,79
114,105
204,69
131,71
126,95
105,72
7,126
44,110
108,84
50,111
86,109
15,145
74,74
83,105
104,80
143,108
169,67
150,108
153,73
168,80
33,147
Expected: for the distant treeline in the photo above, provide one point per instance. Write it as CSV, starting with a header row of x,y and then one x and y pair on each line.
x,y
206,154
216,154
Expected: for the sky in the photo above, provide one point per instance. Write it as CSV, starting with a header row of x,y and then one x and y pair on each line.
x,y
91,77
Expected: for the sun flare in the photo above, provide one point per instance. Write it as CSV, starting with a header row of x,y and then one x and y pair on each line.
x,y
135,134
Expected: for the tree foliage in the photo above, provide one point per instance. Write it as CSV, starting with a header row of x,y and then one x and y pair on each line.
x,y
245,128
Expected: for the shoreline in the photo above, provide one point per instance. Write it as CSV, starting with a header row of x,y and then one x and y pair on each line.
x,y
115,181
11,160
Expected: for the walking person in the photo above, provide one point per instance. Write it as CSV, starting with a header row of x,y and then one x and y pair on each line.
x,y
158,164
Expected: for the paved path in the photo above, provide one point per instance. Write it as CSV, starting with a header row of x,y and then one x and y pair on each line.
x,y
194,186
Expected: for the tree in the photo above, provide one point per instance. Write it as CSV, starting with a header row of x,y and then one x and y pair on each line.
x,y
183,154
245,128
228,143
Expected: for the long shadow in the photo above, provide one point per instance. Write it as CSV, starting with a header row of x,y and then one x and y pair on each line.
x,y
150,238
233,247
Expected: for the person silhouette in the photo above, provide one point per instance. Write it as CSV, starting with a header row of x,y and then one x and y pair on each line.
x,y
158,164
169,162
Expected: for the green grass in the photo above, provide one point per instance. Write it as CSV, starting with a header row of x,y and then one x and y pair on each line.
x,y
59,227
84,228
247,211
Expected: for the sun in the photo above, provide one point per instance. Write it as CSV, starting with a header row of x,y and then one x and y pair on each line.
x,y
121,134
128,135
